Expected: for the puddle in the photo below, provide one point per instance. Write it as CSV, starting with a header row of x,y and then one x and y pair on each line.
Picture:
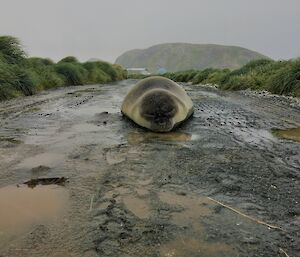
x,y
192,244
142,191
291,134
44,159
193,208
39,171
189,247
135,138
137,206
21,207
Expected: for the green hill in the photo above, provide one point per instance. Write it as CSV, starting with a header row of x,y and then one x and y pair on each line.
x,y
181,56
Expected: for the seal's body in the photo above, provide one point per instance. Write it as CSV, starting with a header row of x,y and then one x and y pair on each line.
x,y
158,104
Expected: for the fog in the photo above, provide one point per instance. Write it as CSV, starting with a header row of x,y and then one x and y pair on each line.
x,y
105,29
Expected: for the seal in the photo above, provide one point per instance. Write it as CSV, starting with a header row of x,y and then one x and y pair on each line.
x,y
158,104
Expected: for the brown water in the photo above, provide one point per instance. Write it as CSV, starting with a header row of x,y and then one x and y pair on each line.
x,y
291,134
43,159
22,207
193,208
137,206
189,247
193,243
135,137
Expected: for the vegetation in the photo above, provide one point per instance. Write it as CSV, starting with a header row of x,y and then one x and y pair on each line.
x,y
20,75
278,77
179,56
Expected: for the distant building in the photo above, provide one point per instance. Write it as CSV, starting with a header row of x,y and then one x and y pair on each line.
x,y
142,71
161,71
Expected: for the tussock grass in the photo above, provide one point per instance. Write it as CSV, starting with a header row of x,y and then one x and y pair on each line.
x,y
20,75
278,77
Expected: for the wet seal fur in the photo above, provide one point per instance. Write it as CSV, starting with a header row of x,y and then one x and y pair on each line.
x,y
157,103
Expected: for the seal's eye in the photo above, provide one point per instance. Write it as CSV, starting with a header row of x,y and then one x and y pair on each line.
x,y
171,113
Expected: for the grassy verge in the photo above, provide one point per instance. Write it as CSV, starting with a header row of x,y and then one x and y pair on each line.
x,y
20,75
278,77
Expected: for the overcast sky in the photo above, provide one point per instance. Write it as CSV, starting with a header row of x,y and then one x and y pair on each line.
x,y
105,29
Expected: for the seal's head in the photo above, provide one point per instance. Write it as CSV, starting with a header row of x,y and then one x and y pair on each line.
x,y
159,108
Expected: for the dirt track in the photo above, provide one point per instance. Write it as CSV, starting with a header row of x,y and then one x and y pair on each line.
x,y
135,193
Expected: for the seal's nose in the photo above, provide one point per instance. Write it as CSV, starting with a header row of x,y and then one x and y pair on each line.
x,y
161,121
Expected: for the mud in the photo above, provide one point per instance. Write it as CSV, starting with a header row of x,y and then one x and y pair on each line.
x,y
23,207
131,192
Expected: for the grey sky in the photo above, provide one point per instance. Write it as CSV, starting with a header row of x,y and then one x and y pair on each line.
x,y
105,29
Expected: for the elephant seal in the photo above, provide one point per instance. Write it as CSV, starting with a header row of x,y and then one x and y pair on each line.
x,y
158,104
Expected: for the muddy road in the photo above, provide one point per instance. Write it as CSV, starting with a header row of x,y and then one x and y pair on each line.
x,y
221,185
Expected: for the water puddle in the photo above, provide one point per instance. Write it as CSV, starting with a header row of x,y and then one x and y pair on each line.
x,y
138,207
291,134
135,138
194,208
193,241
44,159
22,207
142,191
191,247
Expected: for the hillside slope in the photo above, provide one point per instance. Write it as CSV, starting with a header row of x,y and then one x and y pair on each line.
x,y
182,56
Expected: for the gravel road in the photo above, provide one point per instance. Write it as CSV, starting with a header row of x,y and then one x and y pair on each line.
x,y
222,184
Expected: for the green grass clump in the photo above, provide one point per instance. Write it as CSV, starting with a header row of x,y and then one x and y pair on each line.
x,y
10,50
72,73
15,81
121,72
181,76
70,59
109,69
20,75
278,77
202,75
216,76
287,80
95,73
137,76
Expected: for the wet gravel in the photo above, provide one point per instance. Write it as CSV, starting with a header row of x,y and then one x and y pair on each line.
x,y
133,193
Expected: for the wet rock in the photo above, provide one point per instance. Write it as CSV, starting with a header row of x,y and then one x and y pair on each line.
x,y
46,181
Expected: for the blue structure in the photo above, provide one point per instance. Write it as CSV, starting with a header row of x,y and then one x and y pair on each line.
x,y
161,71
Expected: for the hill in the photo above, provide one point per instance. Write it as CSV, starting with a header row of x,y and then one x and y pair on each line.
x,y
182,56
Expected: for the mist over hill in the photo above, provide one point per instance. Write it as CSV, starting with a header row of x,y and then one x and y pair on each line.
x,y
183,56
